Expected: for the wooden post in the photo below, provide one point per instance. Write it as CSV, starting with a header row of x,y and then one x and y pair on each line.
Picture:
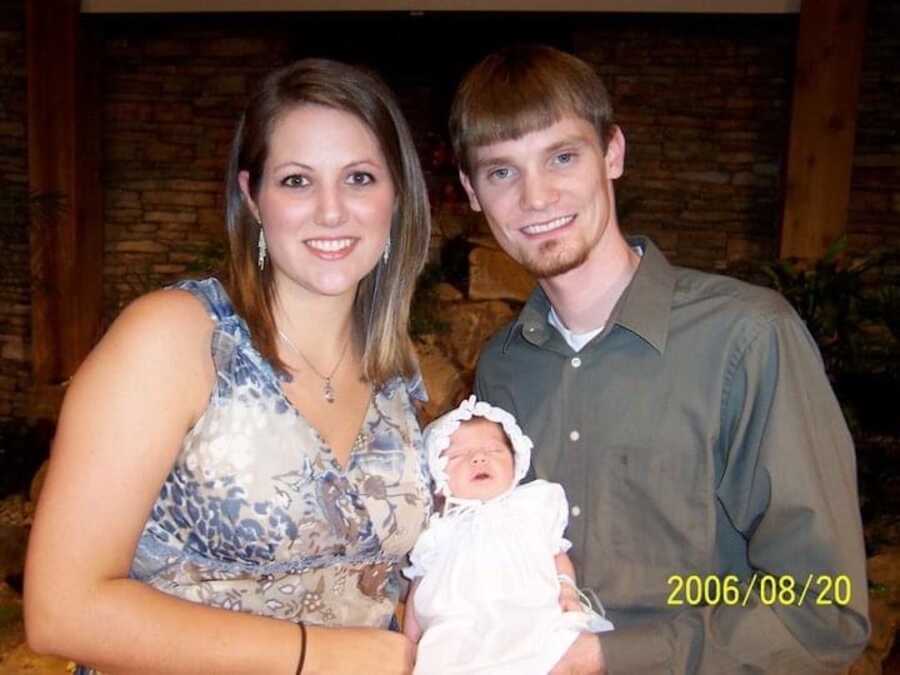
x,y
823,125
63,162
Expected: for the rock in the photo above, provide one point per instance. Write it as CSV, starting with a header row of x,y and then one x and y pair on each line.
x,y
13,542
37,483
493,275
447,293
443,381
471,324
884,571
884,619
23,661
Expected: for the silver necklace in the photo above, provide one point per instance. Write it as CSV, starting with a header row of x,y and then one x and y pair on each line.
x,y
327,388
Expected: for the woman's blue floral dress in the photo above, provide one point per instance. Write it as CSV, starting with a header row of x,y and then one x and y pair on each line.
x,y
256,514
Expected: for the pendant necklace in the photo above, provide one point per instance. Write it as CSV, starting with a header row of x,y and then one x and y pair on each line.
x,y
327,388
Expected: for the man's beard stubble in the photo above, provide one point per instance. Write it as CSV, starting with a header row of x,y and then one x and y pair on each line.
x,y
547,262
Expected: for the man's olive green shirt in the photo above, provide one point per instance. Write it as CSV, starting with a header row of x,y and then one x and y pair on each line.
x,y
696,436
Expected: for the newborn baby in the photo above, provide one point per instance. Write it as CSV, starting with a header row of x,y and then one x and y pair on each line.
x,y
494,591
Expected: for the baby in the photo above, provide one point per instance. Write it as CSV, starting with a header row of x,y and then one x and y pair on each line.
x,y
493,591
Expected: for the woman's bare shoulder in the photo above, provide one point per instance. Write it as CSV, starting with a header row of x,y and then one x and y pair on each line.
x,y
161,341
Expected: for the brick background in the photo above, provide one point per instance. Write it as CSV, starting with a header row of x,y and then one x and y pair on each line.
x,y
704,102
874,218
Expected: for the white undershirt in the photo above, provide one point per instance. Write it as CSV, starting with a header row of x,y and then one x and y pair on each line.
x,y
578,340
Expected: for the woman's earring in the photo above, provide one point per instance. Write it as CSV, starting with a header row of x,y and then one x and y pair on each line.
x,y
261,258
387,249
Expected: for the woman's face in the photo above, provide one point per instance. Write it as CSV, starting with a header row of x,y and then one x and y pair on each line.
x,y
325,199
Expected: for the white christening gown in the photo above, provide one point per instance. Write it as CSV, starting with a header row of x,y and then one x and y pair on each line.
x,y
488,600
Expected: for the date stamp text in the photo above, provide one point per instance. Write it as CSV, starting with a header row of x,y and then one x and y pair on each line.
x,y
819,589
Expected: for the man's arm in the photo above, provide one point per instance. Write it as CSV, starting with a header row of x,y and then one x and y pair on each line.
x,y
568,591
789,487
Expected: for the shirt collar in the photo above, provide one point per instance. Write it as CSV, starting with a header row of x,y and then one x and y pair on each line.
x,y
646,304
643,309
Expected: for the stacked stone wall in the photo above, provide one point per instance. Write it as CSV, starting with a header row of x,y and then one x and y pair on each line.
x,y
705,109
874,218
704,102
173,93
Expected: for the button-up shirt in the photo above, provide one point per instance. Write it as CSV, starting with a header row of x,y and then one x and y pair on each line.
x,y
701,448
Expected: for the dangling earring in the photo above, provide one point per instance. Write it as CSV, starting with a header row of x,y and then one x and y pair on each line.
x,y
261,258
387,249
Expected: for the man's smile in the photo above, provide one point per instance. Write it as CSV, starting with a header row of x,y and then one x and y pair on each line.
x,y
537,229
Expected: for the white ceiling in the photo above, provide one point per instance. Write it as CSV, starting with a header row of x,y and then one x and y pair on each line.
x,y
713,6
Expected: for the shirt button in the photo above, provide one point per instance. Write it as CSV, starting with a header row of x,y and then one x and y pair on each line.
x,y
574,435
576,362
576,510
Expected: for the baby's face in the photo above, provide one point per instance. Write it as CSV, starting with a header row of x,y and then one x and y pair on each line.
x,y
479,460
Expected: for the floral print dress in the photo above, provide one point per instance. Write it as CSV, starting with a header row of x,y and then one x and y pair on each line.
x,y
258,516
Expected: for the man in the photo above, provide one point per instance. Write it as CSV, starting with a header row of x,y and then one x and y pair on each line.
x,y
710,474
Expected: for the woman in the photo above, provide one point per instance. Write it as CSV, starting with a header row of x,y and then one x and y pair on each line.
x,y
268,429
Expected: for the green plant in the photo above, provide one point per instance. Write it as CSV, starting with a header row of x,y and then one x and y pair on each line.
x,y
211,260
834,299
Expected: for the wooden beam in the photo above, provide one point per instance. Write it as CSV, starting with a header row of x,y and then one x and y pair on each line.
x,y
823,125
680,6
63,162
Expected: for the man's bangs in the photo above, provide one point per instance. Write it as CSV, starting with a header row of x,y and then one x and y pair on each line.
x,y
511,121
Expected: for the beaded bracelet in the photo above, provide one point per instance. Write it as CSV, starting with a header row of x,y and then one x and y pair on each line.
x,y
302,648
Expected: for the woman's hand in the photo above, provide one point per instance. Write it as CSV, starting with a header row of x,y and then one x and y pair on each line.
x,y
336,651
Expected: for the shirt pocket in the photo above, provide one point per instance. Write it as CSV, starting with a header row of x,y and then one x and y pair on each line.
x,y
662,510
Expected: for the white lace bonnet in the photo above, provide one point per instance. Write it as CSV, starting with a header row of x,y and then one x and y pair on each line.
x,y
437,439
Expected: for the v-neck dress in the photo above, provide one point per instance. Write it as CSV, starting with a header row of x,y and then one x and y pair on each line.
x,y
258,516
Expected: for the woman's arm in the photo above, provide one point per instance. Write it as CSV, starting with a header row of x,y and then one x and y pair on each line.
x,y
121,428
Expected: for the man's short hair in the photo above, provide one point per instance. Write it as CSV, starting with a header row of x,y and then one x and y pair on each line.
x,y
522,89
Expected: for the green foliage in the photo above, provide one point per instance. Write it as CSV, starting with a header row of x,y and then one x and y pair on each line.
x,y
211,260
832,299
842,307
851,306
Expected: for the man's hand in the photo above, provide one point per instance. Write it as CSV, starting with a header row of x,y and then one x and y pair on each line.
x,y
584,657
568,598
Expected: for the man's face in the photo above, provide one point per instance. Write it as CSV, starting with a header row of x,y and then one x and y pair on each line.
x,y
548,195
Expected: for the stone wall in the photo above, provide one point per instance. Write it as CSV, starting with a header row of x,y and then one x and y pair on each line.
x,y
15,309
704,106
173,92
874,218
704,102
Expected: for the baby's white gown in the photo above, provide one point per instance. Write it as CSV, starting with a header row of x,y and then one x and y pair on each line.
x,y
488,601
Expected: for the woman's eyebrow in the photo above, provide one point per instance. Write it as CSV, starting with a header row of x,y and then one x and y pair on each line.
x,y
285,165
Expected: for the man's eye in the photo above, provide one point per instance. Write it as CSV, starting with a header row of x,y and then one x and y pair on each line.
x,y
565,158
360,178
294,180
500,174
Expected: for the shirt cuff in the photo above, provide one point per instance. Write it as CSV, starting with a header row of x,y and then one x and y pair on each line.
x,y
637,649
